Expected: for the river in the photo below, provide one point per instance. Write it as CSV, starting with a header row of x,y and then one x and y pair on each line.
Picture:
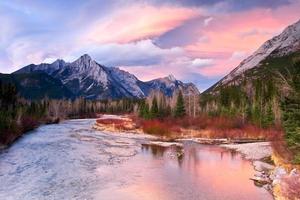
x,y
70,160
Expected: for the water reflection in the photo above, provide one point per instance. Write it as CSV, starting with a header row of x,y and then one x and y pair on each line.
x,y
189,149
155,150
202,172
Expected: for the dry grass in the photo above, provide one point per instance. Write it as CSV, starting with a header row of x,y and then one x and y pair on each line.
x,y
111,121
281,154
125,124
204,126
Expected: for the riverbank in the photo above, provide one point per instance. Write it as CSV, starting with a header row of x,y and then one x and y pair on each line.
x,y
270,175
27,124
20,128
252,151
282,182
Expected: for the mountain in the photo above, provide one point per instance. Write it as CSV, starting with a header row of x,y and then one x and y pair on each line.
x,y
37,86
85,77
260,88
283,45
169,85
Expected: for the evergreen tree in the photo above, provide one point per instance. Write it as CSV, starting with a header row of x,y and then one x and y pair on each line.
x,y
291,115
269,118
146,111
142,108
154,108
180,109
162,108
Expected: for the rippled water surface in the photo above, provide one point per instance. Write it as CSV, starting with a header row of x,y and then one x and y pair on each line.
x,y
72,161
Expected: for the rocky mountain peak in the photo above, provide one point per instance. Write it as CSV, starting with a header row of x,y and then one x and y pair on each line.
x,y
84,60
283,44
59,63
86,57
85,77
171,77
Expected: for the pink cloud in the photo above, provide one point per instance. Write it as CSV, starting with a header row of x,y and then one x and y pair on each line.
x,y
136,23
244,31
179,66
220,68
149,72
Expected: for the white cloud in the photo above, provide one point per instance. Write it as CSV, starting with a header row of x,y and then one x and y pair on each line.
x,y
202,62
207,21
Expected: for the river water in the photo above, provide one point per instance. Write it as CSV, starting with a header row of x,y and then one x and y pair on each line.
x,y
70,160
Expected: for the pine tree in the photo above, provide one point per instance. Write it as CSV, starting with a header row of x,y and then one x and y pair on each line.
x,y
142,109
180,109
269,118
291,115
146,111
154,108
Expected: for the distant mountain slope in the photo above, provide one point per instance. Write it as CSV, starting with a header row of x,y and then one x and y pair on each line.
x,y
85,77
285,44
169,85
37,86
260,85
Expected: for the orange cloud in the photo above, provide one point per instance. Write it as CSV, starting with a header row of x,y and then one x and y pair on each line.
x,y
136,23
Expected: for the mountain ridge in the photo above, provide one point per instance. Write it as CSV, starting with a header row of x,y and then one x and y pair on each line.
x,y
85,77
287,42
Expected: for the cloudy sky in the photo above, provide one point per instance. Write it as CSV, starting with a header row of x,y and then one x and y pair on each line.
x,y
196,40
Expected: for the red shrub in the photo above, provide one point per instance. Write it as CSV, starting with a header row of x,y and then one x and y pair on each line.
x,y
9,136
28,123
217,127
156,127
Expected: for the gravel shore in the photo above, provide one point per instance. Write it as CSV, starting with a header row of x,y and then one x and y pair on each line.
x,y
252,151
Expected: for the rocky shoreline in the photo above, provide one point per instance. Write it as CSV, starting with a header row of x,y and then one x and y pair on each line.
x,y
269,175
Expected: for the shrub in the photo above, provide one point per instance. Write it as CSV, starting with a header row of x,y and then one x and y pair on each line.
x,y
217,127
296,159
28,123
156,127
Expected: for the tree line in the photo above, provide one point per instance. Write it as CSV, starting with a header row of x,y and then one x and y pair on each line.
x,y
158,106
18,115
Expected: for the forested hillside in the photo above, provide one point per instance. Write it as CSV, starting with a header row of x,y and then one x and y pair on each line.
x,y
267,96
